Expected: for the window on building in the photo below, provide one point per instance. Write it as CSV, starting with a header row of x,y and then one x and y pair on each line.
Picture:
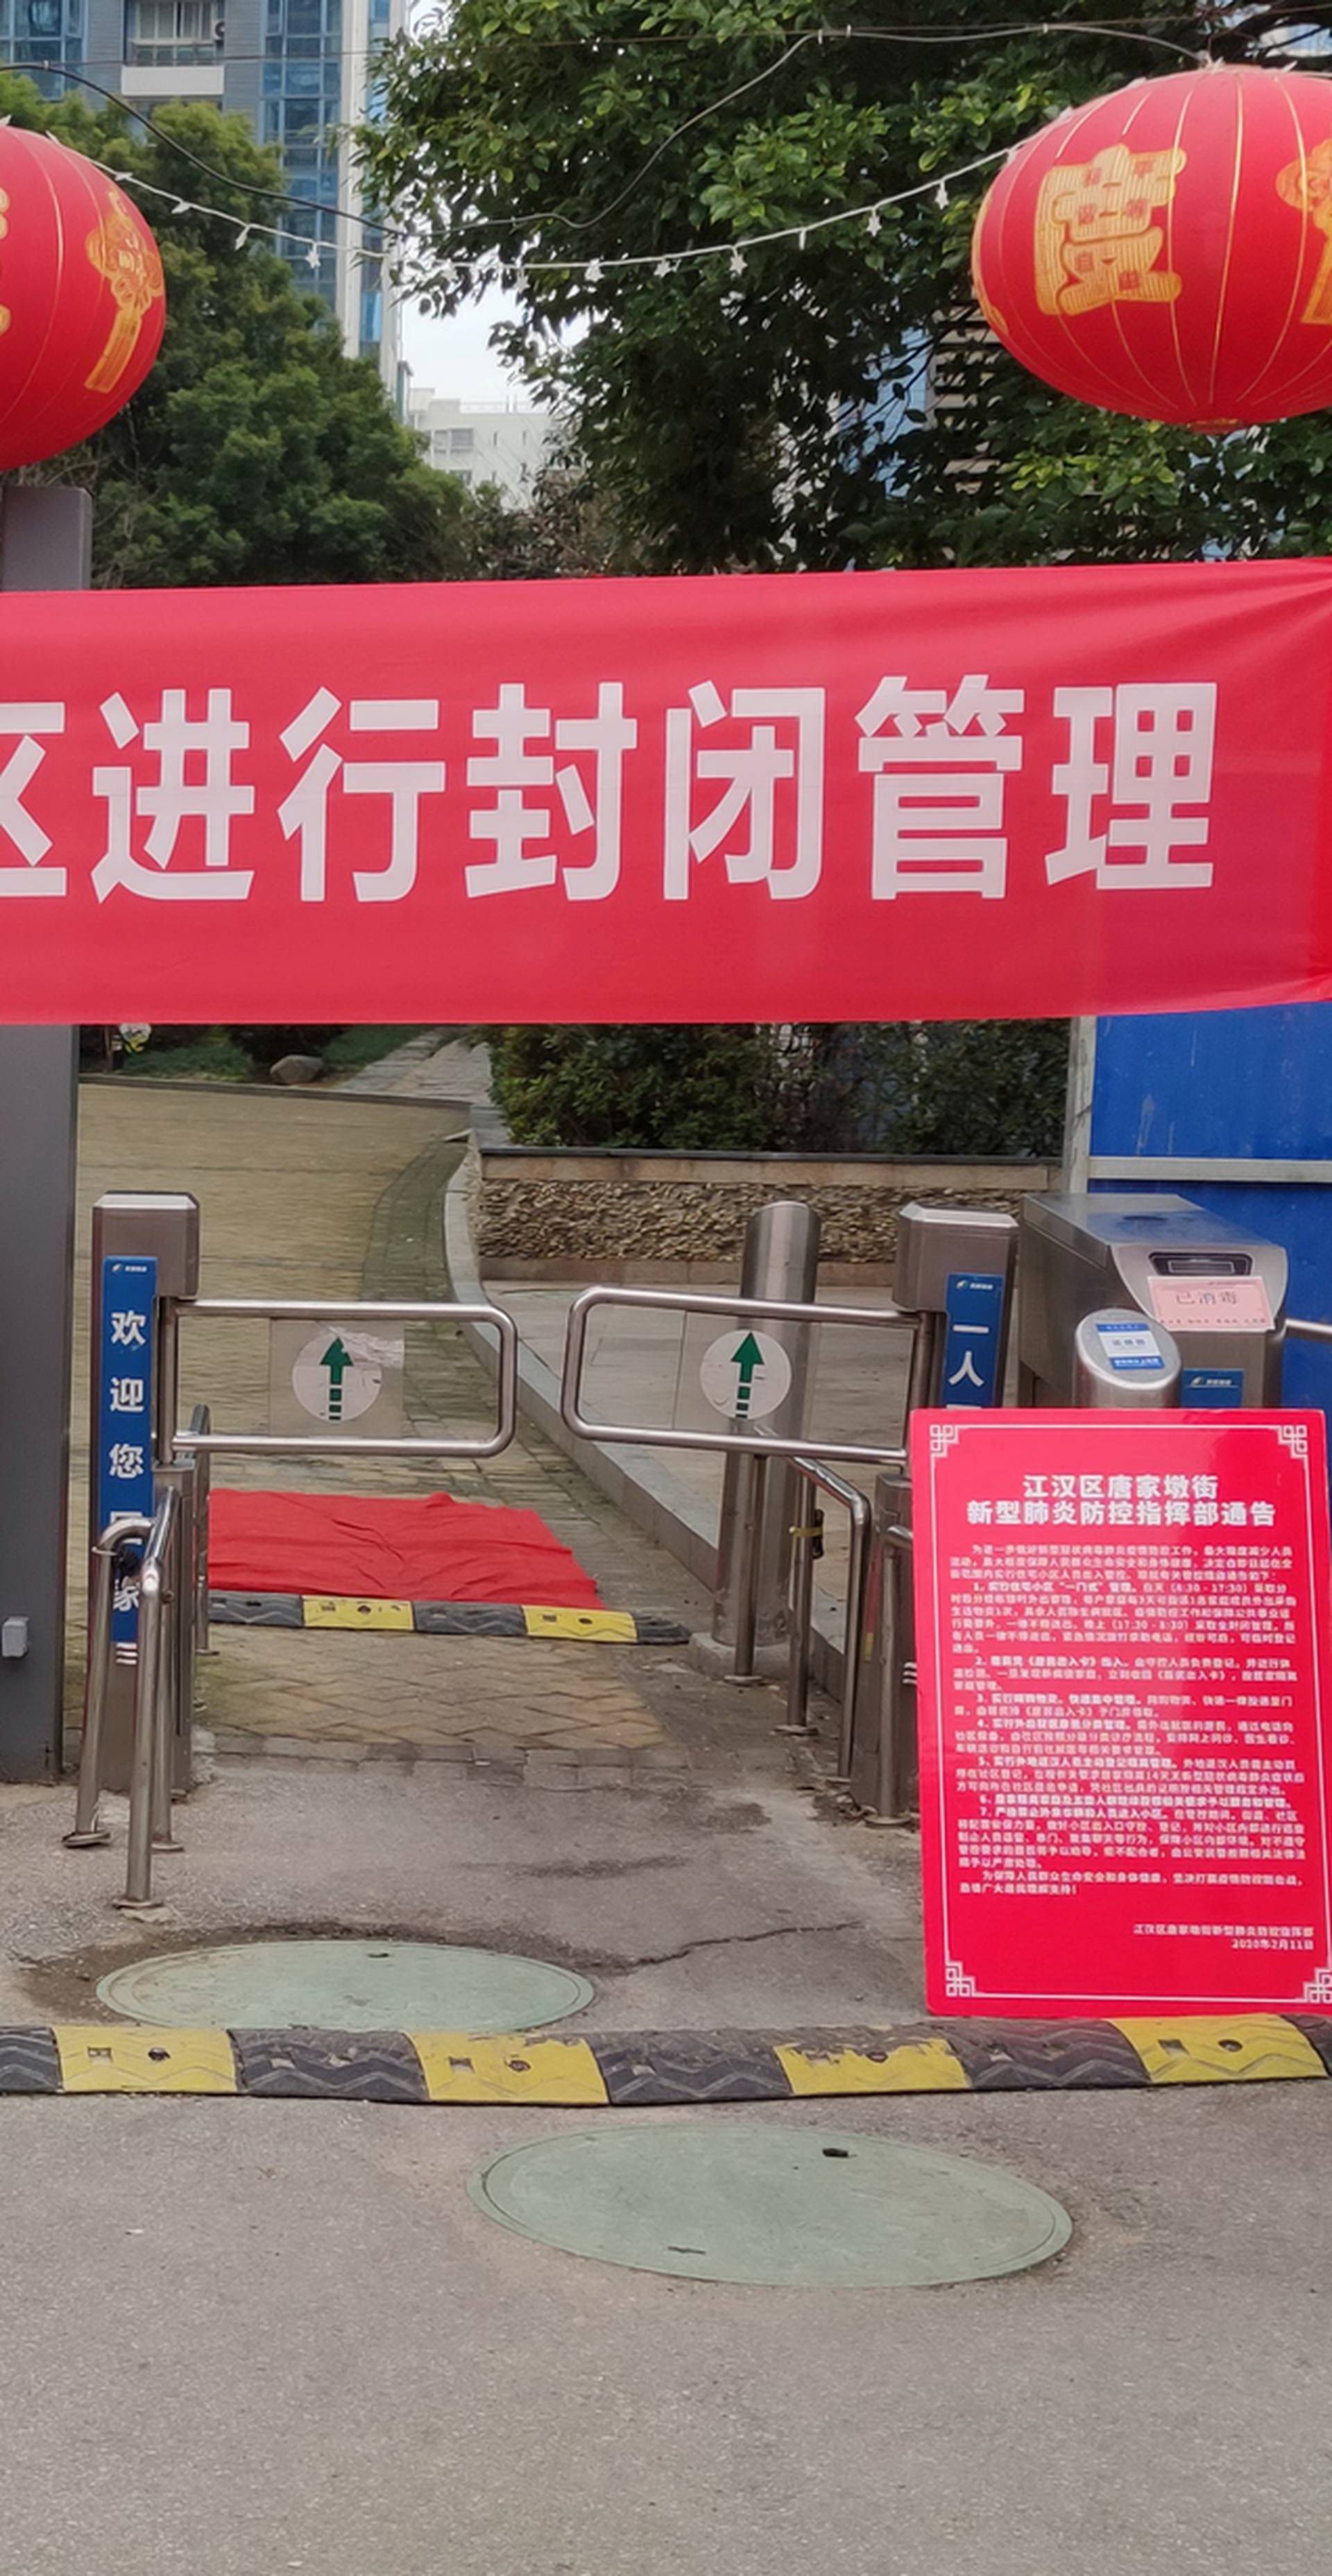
x,y
42,31
460,440
170,31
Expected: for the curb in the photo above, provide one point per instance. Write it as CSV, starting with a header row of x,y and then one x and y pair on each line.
x,y
645,2069
443,1618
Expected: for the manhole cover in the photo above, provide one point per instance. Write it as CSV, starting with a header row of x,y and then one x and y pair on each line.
x,y
345,1985
806,2209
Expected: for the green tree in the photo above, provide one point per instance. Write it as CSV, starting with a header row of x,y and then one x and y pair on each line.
x,y
778,415
697,1090
255,451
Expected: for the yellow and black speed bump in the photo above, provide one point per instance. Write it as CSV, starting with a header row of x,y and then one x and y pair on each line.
x,y
1067,2056
359,2066
631,2069
655,2067
29,2062
443,1618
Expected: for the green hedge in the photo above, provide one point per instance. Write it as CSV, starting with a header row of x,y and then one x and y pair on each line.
x,y
951,1087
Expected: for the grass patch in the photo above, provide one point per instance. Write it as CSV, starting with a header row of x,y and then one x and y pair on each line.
x,y
352,1049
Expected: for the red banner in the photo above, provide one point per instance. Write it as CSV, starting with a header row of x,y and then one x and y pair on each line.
x,y
1122,1643
817,797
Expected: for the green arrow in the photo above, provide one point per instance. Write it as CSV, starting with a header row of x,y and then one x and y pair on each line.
x,y
748,1358
337,1360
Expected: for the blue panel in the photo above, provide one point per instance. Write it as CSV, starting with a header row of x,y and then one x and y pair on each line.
x,y
974,1305
125,1410
1216,1082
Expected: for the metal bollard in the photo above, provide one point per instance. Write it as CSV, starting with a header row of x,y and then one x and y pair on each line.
x,y
806,1545
899,1752
884,1758
856,1579
806,1548
750,1493
781,1261
151,1710
175,1666
201,1421
87,1834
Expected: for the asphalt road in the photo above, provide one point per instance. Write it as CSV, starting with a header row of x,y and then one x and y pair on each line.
x,y
242,2338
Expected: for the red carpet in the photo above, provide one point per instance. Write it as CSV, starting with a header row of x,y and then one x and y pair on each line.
x,y
425,1549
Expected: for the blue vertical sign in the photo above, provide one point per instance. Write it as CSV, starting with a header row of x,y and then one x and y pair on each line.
x,y
974,1308
125,1411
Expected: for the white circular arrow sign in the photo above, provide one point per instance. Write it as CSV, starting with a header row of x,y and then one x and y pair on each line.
x,y
744,1374
337,1375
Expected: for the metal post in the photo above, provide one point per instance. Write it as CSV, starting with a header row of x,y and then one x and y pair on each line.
x,y
175,1667
752,1484
856,1572
781,1261
166,1385
181,1478
45,544
1078,1103
138,1897
806,1544
924,1358
151,1711
899,1754
201,1421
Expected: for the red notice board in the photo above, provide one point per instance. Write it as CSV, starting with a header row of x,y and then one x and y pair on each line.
x,y
1122,1645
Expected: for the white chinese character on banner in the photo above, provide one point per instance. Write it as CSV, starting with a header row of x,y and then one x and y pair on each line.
x,y
303,813
936,832
1162,742
511,770
214,800
127,1394
124,1461
749,775
16,823
129,1331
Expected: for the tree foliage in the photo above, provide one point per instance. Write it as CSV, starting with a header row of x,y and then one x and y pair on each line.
x,y
255,451
961,1088
788,414
696,1090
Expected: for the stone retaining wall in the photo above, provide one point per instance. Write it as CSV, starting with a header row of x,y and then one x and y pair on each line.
x,y
676,1217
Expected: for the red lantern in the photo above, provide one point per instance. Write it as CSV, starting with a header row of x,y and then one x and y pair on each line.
x,y
82,301
1167,251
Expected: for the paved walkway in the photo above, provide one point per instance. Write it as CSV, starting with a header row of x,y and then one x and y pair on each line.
x,y
250,2336
430,1066
320,1196
643,1367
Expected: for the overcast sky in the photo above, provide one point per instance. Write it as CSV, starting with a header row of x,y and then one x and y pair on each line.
x,y
453,356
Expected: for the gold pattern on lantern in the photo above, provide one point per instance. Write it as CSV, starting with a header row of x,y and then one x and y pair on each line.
x,y
127,258
1307,186
1095,240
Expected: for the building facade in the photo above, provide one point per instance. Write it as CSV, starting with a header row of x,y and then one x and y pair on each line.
x,y
482,442
298,71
